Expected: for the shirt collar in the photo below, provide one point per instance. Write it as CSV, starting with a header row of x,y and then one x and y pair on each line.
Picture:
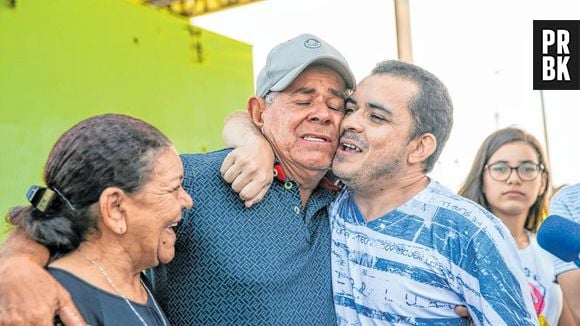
x,y
329,181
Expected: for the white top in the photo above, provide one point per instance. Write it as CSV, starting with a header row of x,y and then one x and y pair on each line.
x,y
539,269
416,263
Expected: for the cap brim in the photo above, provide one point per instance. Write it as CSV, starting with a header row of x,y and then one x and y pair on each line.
x,y
330,62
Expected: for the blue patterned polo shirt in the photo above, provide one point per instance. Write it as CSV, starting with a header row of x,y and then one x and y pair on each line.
x,y
266,265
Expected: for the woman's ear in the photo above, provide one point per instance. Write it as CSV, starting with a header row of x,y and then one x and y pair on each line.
x,y
113,213
421,148
256,108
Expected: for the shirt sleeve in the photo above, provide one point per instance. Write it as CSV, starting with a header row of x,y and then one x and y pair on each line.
x,y
566,203
494,285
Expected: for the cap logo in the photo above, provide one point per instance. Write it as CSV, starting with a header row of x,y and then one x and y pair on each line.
x,y
312,43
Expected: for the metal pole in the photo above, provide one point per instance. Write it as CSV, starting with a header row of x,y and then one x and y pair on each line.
x,y
403,24
545,124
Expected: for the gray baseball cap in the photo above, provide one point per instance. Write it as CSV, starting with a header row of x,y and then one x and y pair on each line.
x,y
287,60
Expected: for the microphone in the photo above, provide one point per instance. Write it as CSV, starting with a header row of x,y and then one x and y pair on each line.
x,y
560,237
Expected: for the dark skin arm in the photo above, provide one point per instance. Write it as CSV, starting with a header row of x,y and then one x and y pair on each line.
x,y
29,294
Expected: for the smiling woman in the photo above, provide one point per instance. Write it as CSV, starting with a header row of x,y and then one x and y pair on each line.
x,y
113,195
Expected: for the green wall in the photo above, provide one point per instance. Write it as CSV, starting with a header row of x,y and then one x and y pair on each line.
x,y
64,60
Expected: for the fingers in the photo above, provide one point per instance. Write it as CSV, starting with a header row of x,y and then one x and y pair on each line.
x,y
252,186
249,186
245,174
249,175
249,203
462,311
233,166
68,312
70,316
243,180
254,190
228,163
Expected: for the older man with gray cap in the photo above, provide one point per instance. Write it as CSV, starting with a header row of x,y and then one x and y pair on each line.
x,y
269,264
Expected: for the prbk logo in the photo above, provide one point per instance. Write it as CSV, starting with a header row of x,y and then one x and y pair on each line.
x,y
557,54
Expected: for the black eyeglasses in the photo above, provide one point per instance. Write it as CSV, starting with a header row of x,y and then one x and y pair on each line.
x,y
527,171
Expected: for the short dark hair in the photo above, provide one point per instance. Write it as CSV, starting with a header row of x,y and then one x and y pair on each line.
x,y
472,187
110,150
431,108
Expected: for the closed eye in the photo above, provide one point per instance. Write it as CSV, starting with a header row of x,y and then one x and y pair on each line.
x,y
377,117
336,108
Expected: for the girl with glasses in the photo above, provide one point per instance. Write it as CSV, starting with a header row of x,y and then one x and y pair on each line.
x,y
510,177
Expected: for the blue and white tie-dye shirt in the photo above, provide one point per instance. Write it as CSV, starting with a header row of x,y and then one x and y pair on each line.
x,y
416,263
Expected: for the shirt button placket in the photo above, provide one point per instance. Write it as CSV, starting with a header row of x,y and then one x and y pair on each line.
x,y
289,185
297,210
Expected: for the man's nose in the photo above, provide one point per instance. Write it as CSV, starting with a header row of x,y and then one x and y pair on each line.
x,y
320,113
351,122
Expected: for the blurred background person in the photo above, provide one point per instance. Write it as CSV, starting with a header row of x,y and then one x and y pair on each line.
x,y
112,198
566,203
510,176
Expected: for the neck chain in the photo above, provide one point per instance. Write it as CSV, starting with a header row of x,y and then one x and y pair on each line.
x,y
102,270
